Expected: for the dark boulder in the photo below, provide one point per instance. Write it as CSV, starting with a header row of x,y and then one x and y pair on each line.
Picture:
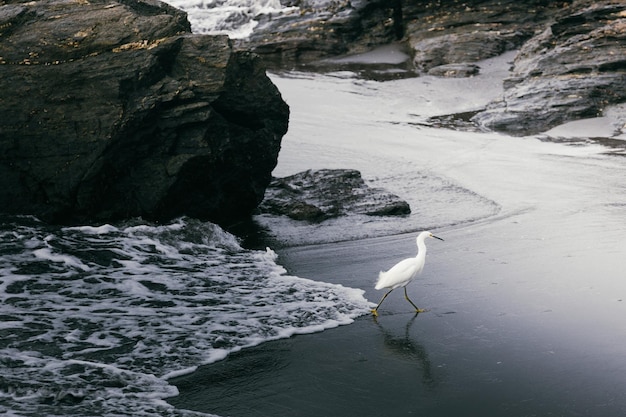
x,y
574,69
317,195
112,109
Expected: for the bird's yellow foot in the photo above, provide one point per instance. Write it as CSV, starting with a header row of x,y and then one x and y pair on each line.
x,y
375,313
420,310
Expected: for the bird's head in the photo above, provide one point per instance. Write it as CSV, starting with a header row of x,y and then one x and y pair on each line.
x,y
422,236
434,237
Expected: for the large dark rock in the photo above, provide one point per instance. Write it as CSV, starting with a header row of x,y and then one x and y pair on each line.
x,y
317,195
111,109
573,69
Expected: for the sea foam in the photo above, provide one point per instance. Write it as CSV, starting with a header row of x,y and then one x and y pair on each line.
x,y
95,320
235,18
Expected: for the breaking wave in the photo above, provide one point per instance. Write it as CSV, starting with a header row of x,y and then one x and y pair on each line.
x,y
95,320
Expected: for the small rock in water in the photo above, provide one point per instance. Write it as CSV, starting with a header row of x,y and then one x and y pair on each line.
x,y
316,195
462,70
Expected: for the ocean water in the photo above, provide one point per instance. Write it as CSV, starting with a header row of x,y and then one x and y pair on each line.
x,y
94,320
235,18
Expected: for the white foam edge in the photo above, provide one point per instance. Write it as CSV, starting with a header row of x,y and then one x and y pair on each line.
x,y
94,230
47,255
222,354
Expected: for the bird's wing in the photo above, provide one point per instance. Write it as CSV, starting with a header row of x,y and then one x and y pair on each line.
x,y
399,274
402,267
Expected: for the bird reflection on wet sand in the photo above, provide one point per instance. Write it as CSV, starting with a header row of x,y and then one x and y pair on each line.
x,y
407,349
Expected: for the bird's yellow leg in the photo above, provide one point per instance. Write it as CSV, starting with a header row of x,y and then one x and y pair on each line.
x,y
375,311
417,310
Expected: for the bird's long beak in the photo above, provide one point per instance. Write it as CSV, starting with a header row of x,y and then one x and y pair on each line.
x,y
436,237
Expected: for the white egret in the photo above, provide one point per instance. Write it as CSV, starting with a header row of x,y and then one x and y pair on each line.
x,y
404,272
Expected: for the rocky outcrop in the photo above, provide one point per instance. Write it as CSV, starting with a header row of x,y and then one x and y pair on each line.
x,y
112,109
570,65
573,69
316,29
438,32
317,195
444,33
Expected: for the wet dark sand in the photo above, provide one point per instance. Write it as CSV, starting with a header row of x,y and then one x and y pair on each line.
x,y
516,327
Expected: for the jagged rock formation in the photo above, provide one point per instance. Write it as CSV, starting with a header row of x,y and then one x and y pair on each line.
x,y
112,109
573,69
317,195
324,28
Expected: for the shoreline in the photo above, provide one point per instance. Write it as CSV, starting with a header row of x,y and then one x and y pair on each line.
x,y
525,304
493,341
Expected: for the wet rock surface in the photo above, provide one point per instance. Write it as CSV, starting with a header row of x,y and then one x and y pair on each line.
x,y
112,109
317,195
316,29
437,32
452,32
573,69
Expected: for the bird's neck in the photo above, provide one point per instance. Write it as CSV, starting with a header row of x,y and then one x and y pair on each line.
x,y
421,249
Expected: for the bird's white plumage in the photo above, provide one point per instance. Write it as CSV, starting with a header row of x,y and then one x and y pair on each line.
x,y
404,271
399,275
